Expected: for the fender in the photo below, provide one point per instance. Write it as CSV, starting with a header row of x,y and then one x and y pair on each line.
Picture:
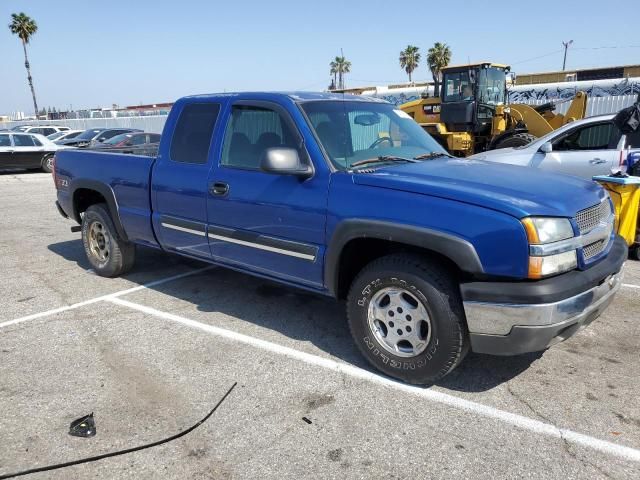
x,y
109,196
456,249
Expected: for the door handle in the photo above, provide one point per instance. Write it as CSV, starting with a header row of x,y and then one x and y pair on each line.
x,y
219,188
597,161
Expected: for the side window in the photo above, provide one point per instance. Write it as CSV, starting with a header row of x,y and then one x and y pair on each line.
x,y
23,140
5,141
193,131
47,131
252,130
36,142
137,140
154,138
592,137
633,139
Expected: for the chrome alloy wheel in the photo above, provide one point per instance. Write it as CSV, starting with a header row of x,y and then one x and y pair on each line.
x,y
399,322
99,243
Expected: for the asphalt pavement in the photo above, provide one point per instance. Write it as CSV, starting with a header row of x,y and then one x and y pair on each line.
x,y
151,353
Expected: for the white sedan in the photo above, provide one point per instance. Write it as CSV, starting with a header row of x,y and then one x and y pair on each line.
x,y
584,148
27,150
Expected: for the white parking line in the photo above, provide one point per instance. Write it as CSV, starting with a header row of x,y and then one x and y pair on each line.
x,y
103,297
519,421
629,285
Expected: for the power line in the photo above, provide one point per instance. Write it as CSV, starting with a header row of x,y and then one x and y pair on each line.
x,y
536,58
613,46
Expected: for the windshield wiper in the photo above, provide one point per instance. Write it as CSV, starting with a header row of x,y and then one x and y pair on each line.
x,y
431,156
382,159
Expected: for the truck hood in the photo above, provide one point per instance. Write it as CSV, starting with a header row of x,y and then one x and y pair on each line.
x,y
514,190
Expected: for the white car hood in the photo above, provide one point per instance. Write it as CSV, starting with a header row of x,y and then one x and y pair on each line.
x,y
512,156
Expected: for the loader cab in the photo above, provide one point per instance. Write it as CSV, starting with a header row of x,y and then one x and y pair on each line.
x,y
470,94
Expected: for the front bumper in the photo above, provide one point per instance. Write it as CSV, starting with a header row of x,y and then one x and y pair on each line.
x,y
531,324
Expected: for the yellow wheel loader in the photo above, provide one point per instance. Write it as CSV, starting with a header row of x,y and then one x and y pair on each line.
x,y
472,115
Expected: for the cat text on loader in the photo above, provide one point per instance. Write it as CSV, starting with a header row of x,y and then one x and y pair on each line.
x,y
472,115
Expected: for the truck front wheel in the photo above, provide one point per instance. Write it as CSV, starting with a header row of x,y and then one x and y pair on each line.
x,y
406,317
109,255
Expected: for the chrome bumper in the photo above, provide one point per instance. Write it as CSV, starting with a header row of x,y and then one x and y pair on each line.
x,y
509,329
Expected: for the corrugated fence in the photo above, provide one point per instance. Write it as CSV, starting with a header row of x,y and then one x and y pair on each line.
x,y
595,105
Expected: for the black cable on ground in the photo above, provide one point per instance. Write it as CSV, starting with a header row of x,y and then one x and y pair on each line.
x,y
120,452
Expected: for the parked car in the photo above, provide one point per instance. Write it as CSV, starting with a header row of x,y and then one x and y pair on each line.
x,y
593,146
95,135
26,150
139,143
64,135
348,197
40,129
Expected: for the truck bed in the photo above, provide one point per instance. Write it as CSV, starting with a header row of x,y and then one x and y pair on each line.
x,y
126,176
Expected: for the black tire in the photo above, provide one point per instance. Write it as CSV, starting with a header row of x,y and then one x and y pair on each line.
x,y
634,252
447,341
516,140
46,163
117,256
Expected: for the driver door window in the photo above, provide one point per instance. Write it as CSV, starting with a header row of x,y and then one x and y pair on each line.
x,y
592,137
250,132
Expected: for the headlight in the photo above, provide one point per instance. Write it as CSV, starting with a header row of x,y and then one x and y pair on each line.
x,y
542,231
540,267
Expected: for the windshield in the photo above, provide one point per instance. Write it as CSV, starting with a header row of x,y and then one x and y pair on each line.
x,y
491,86
56,135
354,131
117,139
89,134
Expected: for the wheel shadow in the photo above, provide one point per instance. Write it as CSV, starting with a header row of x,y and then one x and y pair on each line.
x,y
296,314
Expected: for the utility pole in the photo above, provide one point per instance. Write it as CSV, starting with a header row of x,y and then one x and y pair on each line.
x,y
566,47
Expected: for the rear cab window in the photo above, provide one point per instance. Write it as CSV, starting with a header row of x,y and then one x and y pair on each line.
x,y
192,135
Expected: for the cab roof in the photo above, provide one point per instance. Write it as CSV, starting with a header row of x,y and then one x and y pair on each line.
x,y
477,64
293,95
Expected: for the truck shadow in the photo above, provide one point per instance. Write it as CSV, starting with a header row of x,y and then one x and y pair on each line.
x,y
293,313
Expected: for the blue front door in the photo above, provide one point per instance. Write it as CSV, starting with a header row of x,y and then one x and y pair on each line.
x,y
271,224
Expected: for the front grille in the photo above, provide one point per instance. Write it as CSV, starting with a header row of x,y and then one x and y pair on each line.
x,y
594,248
589,218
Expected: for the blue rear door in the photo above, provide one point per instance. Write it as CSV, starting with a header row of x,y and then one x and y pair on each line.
x,y
271,224
180,179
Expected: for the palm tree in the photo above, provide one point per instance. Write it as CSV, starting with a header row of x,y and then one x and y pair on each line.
x,y
339,67
409,59
24,27
334,71
438,57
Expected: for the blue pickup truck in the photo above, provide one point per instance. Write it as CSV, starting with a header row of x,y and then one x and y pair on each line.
x,y
348,197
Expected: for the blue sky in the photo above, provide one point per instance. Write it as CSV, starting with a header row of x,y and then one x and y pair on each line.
x,y
90,53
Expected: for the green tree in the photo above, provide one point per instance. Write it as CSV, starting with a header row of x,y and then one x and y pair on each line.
x,y
339,67
438,57
25,27
409,59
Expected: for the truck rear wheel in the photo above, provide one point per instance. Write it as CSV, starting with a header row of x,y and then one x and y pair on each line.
x,y
516,140
407,319
109,255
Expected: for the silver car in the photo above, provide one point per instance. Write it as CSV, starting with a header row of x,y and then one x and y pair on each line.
x,y
593,146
